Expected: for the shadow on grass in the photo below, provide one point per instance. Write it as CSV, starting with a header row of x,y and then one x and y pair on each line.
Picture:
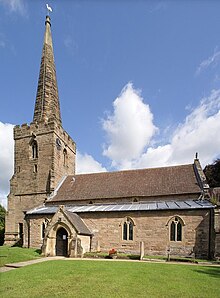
x,y
38,251
211,271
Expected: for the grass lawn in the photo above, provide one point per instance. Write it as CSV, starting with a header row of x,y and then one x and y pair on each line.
x,y
17,254
67,278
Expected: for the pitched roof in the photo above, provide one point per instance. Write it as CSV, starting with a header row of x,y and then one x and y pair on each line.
x,y
153,182
78,223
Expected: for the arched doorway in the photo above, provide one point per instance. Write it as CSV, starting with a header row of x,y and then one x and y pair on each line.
x,y
61,242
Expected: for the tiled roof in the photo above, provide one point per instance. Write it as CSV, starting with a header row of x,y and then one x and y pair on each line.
x,y
78,223
153,182
149,206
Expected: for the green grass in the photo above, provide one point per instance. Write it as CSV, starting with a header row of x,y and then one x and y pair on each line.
x,y
17,254
103,255
67,278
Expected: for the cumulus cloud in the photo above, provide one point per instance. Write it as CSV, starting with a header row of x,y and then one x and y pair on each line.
x,y
129,128
6,159
212,61
199,132
85,163
130,133
71,44
15,6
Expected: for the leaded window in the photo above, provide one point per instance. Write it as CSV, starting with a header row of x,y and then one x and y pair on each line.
x,y
128,229
176,229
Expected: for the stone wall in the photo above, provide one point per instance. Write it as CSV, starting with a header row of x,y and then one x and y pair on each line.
x,y
36,178
125,200
153,229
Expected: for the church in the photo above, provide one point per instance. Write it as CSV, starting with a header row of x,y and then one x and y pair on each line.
x,y
63,213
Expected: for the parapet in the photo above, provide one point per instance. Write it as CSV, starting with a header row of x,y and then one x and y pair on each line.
x,y
38,128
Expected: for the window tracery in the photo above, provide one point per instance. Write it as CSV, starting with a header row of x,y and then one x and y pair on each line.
x,y
176,226
128,229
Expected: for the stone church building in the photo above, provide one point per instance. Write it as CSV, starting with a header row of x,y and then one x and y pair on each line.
x,y
52,208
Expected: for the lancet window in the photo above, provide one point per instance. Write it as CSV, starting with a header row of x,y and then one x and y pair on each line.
x,y
128,229
34,149
176,226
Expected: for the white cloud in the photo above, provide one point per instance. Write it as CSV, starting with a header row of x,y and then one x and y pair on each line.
x,y
15,6
6,159
212,61
87,164
198,133
129,129
71,45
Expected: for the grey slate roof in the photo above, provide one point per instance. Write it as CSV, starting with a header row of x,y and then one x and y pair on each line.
x,y
148,206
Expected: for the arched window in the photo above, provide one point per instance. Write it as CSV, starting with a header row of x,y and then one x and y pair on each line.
x,y
128,229
64,157
34,149
176,225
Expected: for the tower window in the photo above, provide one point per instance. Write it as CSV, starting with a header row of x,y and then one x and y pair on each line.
x,y
64,157
35,168
128,229
34,149
176,229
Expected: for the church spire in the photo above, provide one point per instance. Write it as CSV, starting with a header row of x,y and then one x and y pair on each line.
x,y
47,106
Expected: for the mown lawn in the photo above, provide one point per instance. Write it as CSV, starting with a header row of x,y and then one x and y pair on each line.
x,y
85,278
17,254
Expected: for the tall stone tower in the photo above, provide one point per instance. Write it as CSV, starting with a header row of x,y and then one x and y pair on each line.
x,y
44,152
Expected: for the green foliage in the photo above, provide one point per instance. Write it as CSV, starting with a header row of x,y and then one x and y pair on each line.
x,y
74,278
16,254
2,224
212,173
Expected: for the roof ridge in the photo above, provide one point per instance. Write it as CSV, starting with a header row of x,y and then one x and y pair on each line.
x,y
132,170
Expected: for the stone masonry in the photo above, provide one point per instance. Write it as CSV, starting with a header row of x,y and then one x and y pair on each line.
x,y
37,174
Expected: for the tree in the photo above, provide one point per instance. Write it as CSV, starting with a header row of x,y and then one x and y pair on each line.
x,y
212,173
2,224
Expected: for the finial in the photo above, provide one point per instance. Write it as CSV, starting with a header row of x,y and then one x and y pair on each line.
x,y
196,156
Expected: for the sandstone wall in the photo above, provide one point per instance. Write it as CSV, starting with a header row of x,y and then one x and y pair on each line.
x,y
153,229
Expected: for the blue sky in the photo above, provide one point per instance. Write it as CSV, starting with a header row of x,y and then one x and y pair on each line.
x,y
139,81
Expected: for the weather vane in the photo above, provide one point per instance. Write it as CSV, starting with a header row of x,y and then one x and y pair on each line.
x,y
49,9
